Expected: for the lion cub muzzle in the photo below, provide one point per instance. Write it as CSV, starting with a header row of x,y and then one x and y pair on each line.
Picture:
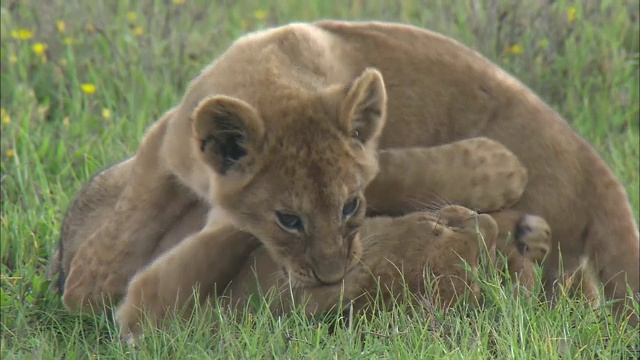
x,y
330,264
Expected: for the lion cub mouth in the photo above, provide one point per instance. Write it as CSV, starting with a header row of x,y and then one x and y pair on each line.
x,y
309,282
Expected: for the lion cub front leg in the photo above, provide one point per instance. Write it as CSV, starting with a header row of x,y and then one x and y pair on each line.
x,y
477,173
202,263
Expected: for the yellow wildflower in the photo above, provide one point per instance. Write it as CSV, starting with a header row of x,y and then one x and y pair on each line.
x,y
68,40
65,121
572,14
131,16
88,88
5,116
178,2
106,113
90,28
39,48
260,14
61,26
22,34
515,49
42,110
138,30
11,153
13,58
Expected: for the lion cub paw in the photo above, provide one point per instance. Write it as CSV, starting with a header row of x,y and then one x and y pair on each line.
x,y
455,216
496,177
130,313
129,318
533,237
530,244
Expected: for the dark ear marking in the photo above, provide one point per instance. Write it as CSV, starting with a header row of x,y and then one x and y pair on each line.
x,y
226,129
231,147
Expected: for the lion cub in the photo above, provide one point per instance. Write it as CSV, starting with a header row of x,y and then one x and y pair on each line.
x,y
396,253
281,133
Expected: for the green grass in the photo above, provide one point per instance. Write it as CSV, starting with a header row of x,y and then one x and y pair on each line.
x,y
54,136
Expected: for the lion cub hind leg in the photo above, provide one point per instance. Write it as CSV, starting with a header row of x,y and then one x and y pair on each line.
x,y
477,173
525,240
583,280
202,263
90,209
103,265
147,207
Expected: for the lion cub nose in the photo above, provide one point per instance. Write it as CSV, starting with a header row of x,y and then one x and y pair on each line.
x,y
329,271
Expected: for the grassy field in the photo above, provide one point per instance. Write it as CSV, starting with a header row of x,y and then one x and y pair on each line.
x,y
82,80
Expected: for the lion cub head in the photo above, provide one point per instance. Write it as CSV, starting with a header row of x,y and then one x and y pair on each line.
x,y
294,174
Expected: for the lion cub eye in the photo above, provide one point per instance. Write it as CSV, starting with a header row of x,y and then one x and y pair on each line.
x,y
289,222
350,208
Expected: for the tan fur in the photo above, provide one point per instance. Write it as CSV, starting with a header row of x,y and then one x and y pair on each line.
x,y
91,207
396,255
288,120
394,250
418,177
204,262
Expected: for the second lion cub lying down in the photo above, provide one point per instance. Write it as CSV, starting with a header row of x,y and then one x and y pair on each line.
x,y
396,254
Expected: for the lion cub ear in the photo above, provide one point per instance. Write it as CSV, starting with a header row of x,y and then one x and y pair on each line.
x,y
227,129
364,108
